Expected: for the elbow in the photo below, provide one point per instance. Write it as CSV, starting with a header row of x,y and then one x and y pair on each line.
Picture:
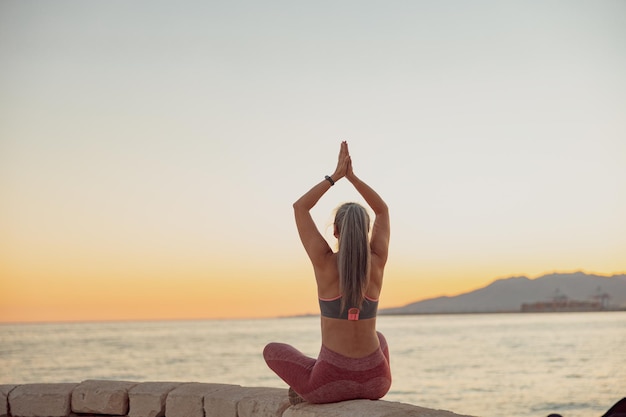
x,y
382,208
303,204
299,206
299,209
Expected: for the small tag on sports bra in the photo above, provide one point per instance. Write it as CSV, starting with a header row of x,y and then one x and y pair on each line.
x,y
353,314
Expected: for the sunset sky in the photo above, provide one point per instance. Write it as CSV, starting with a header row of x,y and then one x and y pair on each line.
x,y
150,151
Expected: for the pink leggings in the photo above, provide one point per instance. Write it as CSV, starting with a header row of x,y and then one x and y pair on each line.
x,y
332,377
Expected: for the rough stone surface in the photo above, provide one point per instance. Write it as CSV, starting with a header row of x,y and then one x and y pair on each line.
x,y
102,397
365,408
4,399
263,402
240,402
223,403
148,398
34,400
187,400
175,399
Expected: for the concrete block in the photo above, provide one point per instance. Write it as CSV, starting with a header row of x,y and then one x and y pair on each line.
x,y
187,400
364,408
223,403
226,403
263,402
147,399
41,400
102,397
4,399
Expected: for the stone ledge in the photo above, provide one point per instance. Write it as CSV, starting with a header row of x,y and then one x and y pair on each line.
x,y
102,397
188,399
180,399
4,399
34,400
365,408
147,399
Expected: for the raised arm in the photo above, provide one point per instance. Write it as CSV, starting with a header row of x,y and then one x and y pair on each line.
x,y
314,243
381,231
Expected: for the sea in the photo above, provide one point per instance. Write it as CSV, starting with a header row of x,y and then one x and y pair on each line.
x,y
487,365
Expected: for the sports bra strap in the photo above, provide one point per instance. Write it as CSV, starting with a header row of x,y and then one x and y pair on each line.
x,y
331,308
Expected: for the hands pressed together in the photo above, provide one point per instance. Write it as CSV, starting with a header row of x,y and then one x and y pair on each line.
x,y
344,163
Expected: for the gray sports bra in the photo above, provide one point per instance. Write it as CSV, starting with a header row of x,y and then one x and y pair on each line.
x,y
331,307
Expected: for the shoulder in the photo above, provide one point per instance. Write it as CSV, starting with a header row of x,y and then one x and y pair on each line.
x,y
327,274
377,269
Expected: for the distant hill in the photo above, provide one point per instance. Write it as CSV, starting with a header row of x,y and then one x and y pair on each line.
x,y
508,294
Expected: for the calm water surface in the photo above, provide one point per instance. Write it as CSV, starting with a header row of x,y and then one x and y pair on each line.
x,y
483,365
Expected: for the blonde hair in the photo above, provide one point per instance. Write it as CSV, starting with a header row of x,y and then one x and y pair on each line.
x,y
352,223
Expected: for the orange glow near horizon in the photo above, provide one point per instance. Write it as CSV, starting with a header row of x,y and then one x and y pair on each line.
x,y
126,274
60,293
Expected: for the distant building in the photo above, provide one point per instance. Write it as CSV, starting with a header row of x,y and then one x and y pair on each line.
x,y
561,303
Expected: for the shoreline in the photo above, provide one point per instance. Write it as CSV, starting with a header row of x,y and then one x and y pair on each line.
x,y
381,313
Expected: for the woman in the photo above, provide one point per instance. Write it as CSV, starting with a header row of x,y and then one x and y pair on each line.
x,y
354,358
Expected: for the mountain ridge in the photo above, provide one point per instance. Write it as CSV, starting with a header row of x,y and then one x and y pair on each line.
x,y
508,294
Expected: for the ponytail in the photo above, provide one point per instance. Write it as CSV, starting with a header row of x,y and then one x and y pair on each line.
x,y
353,260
